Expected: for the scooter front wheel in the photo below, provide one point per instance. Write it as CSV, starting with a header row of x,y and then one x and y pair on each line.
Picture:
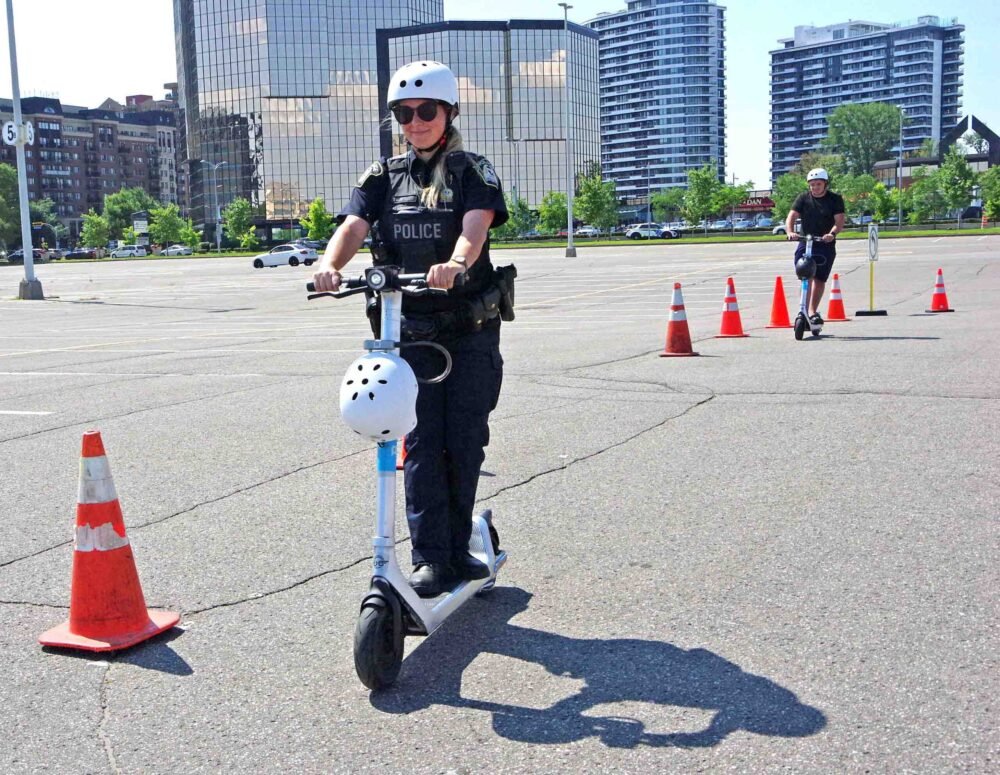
x,y
800,327
378,646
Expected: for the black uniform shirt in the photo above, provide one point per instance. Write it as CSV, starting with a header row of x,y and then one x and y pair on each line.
x,y
818,212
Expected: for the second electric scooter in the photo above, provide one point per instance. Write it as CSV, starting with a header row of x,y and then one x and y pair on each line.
x,y
391,609
805,270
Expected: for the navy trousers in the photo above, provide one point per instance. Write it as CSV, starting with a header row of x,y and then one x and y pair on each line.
x,y
445,452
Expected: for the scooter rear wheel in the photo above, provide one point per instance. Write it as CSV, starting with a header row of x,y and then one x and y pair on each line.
x,y
800,327
378,647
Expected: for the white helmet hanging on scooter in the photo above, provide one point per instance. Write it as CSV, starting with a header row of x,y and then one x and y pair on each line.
x,y
378,397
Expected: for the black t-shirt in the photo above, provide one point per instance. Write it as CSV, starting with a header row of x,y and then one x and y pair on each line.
x,y
818,213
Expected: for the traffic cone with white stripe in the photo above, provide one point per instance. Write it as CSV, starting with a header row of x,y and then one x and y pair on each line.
x,y
835,312
678,336
107,610
939,301
731,326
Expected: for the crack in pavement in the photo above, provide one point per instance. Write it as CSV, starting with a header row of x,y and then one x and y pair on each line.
x,y
102,725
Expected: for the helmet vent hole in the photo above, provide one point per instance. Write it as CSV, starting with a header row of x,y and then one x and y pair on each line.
x,y
371,396
418,82
350,382
376,367
364,381
360,367
354,397
386,432
402,84
383,382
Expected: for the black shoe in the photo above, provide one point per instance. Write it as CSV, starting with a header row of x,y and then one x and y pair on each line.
x,y
429,579
816,320
468,568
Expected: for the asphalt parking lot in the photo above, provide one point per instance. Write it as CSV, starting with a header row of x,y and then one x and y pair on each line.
x,y
778,555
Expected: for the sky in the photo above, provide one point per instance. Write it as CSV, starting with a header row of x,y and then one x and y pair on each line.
x,y
83,53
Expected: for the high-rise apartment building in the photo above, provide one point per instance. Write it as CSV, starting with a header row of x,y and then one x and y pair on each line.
x,y
280,98
512,81
662,85
81,154
916,65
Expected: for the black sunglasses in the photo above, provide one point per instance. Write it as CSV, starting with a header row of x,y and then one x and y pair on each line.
x,y
426,111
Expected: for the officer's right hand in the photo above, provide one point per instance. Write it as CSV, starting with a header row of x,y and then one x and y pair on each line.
x,y
792,236
327,280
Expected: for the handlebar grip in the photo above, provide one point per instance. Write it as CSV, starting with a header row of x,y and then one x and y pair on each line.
x,y
311,287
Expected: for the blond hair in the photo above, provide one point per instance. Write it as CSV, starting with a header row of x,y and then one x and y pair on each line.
x,y
431,195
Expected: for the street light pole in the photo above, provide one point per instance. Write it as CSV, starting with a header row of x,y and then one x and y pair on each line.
x,y
30,288
215,201
899,175
570,250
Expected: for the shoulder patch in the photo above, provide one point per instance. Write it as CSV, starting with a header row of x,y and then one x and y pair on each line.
x,y
487,173
372,172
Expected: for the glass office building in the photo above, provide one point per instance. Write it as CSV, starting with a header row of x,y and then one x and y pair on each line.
x,y
285,93
916,65
512,79
662,75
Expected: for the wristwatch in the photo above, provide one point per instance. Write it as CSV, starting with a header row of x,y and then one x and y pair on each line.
x,y
461,261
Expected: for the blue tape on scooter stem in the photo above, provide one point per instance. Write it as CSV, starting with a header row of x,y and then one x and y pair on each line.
x,y
387,456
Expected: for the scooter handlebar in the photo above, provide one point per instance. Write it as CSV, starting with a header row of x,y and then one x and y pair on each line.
x,y
414,284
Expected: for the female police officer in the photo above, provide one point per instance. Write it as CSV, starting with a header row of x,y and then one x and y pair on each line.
x,y
432,209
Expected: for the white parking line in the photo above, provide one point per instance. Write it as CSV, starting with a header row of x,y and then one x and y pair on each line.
x,y
12,411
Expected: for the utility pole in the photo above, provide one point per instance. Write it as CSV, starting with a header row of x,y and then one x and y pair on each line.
x,y
31,287
570,250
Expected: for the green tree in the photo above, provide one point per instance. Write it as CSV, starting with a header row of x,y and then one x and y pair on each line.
x,y
166,225
249,241
956,179
883,202
928,149
975,142
96,231
863,133
668,202
552,211
700,197
10,206
189,235
989,184
597,202
318,222
786,189
118,209
727,198
856,190
520,218
238,217
923,199
833,163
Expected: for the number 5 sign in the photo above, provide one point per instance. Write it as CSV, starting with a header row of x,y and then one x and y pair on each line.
x,y
12,136
10,133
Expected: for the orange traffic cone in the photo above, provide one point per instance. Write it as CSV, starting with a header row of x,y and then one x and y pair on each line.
x,y
107,610
779,307
678,336
401,457
732,326
939,301
835,312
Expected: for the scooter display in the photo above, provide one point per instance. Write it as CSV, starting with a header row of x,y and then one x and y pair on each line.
x,y
391,609
805,270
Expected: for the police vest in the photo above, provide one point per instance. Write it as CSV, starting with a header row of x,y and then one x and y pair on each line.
x,y
415,237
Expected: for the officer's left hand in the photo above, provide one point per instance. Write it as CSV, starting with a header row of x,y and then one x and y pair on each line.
x,y
828,237
443,275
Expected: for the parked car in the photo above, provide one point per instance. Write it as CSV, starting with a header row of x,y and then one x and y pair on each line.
x,y
315,244
644,231
17,257
780,228
81,253
721,225
177,250
763,223
56,253
742,225
293,255
128,251
668,232
587,231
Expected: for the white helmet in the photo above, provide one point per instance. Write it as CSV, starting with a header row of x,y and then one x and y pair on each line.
x,y
423,80
378,397
818,174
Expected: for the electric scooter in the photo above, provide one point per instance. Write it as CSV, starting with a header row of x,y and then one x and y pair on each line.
x,y
805,270
391,609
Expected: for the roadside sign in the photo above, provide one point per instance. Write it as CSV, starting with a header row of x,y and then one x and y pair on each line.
x,y
10,133
872,242
30,133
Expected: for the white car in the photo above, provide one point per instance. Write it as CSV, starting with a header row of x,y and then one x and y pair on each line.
x,y
128,251
587,231
177,250
293,255
644,231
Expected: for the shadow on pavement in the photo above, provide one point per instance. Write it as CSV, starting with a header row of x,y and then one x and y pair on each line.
x,y
615,670
153,654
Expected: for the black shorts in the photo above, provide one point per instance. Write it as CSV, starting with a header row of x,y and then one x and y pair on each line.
x,y
824,254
